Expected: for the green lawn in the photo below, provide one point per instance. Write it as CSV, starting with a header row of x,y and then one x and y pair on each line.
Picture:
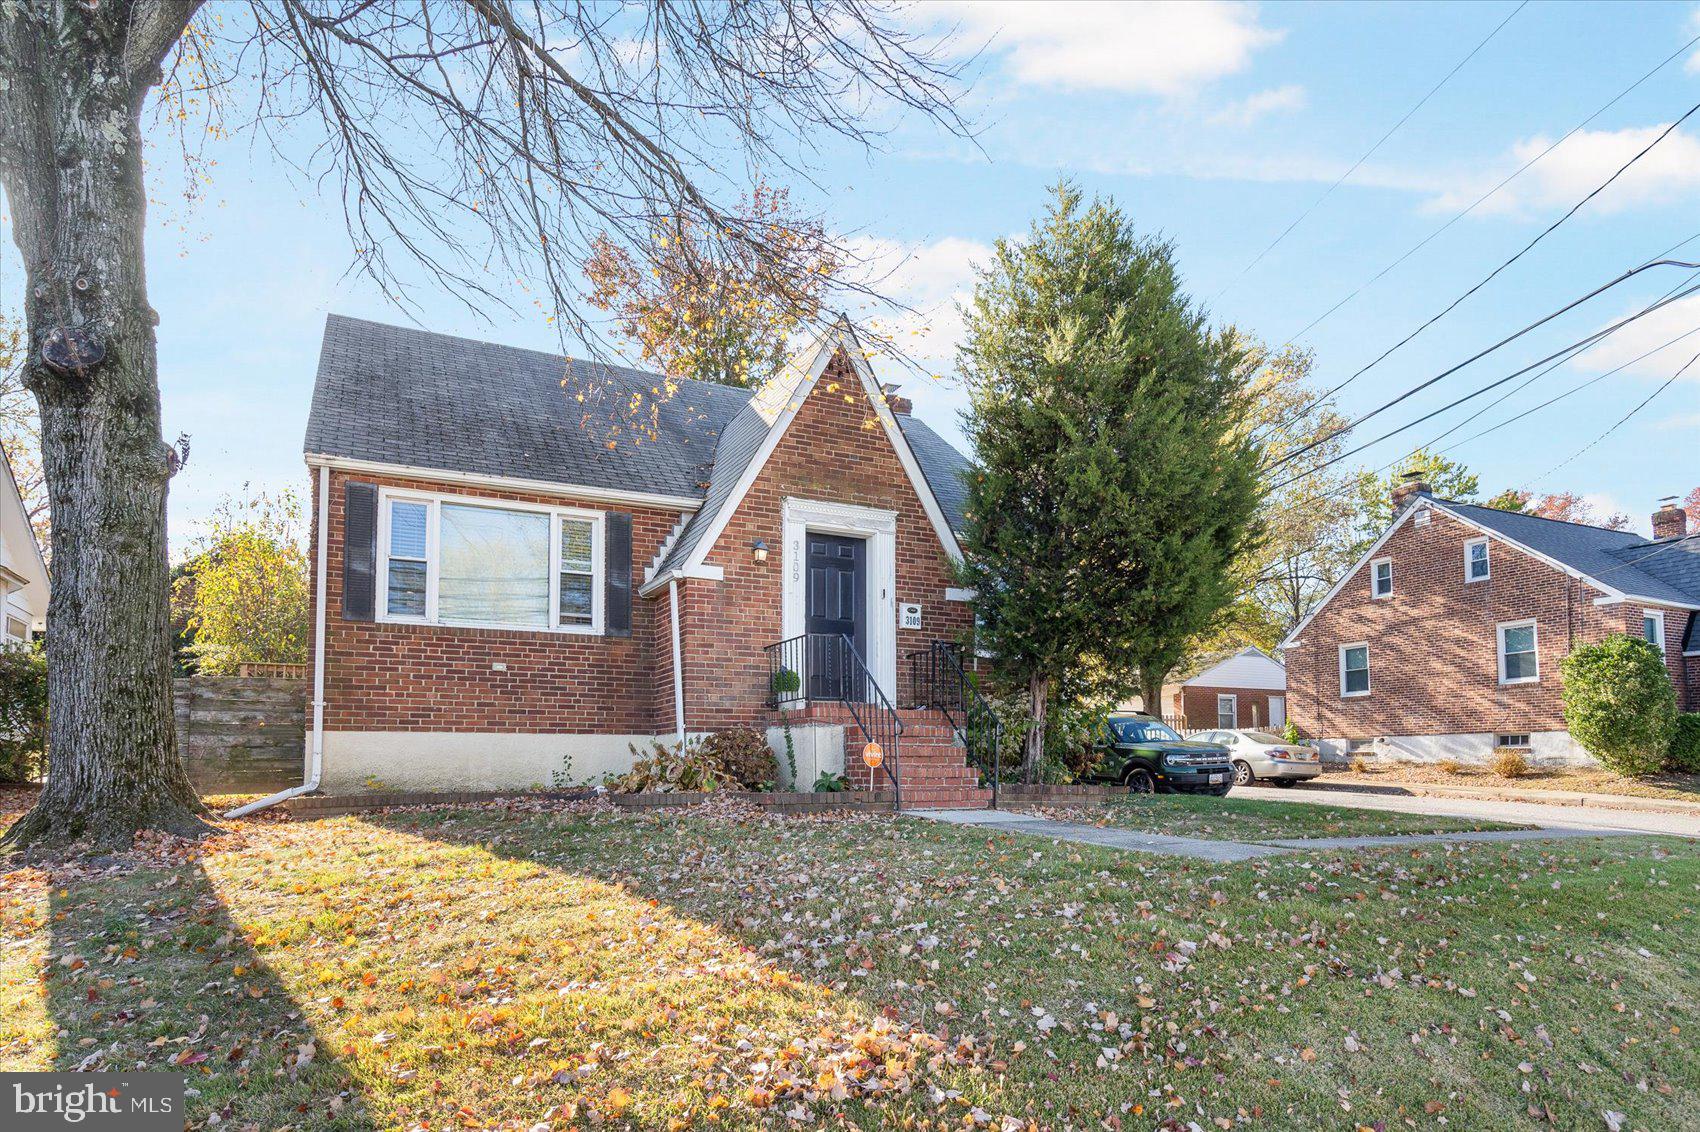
x,y
1248,819
481,967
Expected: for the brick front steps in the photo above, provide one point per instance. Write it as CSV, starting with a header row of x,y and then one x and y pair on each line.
x,y
934,766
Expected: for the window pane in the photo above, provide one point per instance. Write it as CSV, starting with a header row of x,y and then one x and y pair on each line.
x,y
1650,628
1519,665
1356,675
576,546
495,566
1479,560
1520,638
407,589
407,530
575,599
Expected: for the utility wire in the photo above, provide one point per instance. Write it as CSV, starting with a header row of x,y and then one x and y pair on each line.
x,y
1490,276
1285,232
1620,422
1485,197
1420,386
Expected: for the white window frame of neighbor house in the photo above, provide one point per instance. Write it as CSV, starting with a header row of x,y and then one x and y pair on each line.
x,y
1369,682
433,503
1657,617
1375,566
1469,561
1534,648
1233,704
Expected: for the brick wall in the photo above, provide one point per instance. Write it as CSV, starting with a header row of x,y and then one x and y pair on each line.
x,y
1433,646
1197,705
396,677
835,450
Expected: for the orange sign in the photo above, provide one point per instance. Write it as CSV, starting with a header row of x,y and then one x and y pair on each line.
x,y
873,755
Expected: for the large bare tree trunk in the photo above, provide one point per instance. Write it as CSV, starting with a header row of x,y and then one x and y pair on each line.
x,y
72,82
1033,746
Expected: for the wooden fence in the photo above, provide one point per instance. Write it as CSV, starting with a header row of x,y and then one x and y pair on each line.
x,y
241,734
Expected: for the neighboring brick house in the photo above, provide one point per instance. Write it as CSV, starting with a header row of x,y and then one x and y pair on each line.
x,y
1446,637
525,564
1246,689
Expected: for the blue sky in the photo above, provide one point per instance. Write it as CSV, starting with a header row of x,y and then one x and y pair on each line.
x,y
1212,124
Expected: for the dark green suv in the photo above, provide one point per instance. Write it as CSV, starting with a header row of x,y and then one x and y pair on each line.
x,y
1145,755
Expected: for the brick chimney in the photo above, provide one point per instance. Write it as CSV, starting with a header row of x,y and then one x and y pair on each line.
x,y
902,406
1669,521
1410,484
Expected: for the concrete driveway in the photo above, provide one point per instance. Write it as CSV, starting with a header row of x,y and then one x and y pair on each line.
x,y
1525,813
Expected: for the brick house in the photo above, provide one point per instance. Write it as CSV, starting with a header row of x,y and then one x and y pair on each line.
x,y
525,564
1245,689
1444,640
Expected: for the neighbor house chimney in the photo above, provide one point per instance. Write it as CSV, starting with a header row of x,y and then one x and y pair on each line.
x,y
1669,521
1410,485
902,406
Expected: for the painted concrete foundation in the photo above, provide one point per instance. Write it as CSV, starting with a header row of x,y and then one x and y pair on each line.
x,y
819,748
363,761
1546,748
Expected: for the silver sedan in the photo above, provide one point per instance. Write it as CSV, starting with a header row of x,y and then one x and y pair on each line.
x,y
1265,756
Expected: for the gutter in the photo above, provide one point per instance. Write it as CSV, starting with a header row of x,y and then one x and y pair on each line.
x,y
315,754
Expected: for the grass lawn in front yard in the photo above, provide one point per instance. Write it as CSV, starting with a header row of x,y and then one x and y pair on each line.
x,y
1254,819
578,966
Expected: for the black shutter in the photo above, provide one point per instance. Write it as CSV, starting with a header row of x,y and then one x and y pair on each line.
x,y
617,580
359,550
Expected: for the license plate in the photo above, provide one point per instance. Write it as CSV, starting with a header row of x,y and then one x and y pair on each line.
x,y
1218,779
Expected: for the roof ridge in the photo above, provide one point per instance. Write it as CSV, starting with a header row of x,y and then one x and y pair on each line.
x,y
1542,518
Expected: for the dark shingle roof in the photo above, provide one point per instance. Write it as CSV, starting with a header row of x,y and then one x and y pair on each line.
x,y
1660,571
395,395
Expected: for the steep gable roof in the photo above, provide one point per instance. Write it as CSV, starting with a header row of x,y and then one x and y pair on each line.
x,y
1621,564
1251,667
394,395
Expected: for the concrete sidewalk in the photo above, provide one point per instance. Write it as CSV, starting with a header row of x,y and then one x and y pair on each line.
x,y
1523,811
1227,851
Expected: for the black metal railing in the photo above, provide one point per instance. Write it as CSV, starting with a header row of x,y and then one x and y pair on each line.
x,y
937,680
825,667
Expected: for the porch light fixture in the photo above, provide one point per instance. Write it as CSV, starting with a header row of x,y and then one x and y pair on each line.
x,y
873,755
759,549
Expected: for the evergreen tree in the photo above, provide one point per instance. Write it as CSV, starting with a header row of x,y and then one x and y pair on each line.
x,y
1115,483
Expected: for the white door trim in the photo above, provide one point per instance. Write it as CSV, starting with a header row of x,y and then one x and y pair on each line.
x,y
879,527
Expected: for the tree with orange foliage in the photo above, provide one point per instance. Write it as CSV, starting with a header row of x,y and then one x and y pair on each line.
x,y
697,307
1564,505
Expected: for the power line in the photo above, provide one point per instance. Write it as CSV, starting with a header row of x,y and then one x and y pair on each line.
x,y
1485,197
1419,387
1620,422
1285,232
1490,276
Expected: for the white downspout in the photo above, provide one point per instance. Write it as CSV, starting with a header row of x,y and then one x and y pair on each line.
x,y
678,663
316,746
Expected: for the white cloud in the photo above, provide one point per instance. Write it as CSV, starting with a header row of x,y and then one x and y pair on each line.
x,y
931,279
1650,332
1669,172
1253,109
1681,421
1164,47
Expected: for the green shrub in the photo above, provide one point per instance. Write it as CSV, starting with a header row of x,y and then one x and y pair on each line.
x,y
1685,744
1619,703
829,783
1291,733
23,712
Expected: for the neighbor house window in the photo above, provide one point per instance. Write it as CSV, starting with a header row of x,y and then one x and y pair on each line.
x,y
453,560
1511,739
1227,711
1518,662
1354,670
1653,627
1476,565
1381,577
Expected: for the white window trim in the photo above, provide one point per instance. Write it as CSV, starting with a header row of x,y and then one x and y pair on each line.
x,y
801,516
1485,544
1375,565
1659,616
1233,711
1369,680
1499,634
1499,740
433,502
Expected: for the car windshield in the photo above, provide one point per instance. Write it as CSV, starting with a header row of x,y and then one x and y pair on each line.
x,y
1142,731
1263,737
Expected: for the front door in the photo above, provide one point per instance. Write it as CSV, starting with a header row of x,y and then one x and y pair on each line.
x,y
1277,711
837,607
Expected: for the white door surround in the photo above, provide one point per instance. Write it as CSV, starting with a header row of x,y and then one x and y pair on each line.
x,y
879,527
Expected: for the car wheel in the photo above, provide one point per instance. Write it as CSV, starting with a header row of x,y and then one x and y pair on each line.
x,y
1242,773
1139,781
1284,782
